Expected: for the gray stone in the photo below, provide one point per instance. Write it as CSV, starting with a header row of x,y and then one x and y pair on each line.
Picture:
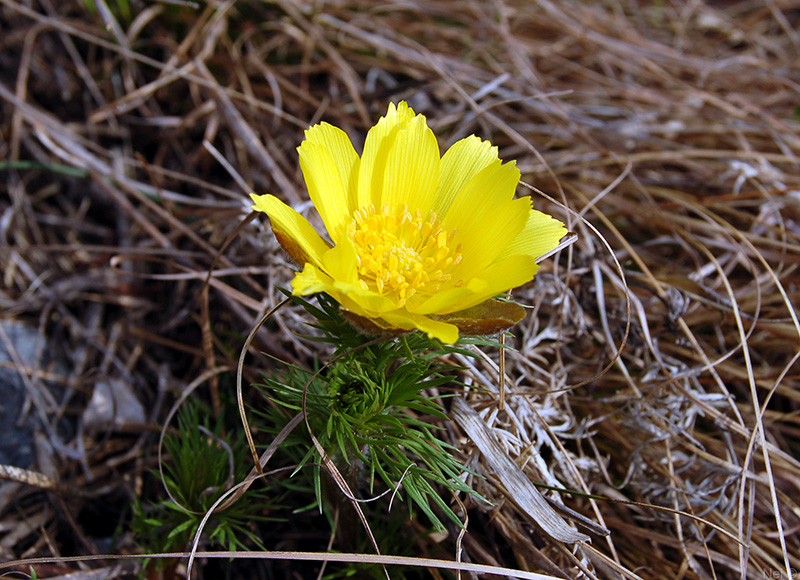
x,y
17,432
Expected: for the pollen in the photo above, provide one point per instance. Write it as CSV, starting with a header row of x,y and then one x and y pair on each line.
x,y
402,254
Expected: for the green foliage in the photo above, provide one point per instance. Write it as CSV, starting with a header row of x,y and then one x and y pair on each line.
x,y
369,411
121,9
24,165
200,465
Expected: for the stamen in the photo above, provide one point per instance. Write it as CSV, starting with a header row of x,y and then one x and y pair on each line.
x,y
400,254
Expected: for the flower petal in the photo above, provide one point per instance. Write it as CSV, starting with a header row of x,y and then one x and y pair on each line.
x,y
338,145
362,302
483,239
489,188
541,234
341,262
460,163
298,237
500,276
311,280
444,331
377,148
370,326
412,168
349,294
486,217
329,164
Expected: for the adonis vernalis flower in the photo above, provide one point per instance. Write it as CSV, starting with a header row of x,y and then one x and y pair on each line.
x,y
419,241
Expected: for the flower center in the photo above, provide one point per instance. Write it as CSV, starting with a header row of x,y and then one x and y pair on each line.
x,y
400,254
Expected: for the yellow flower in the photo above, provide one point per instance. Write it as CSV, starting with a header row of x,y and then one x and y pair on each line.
x,y
419,241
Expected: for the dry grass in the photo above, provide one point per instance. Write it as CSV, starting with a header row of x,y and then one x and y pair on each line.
x,y
664,388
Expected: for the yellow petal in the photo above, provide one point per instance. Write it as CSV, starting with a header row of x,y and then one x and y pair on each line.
x,y
329,165
341,262
377,147
485,217
370,326
460,163
488,233
541,234
311,280
446,332
298,237
500,276
412,168
338,145
487,189
362,302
